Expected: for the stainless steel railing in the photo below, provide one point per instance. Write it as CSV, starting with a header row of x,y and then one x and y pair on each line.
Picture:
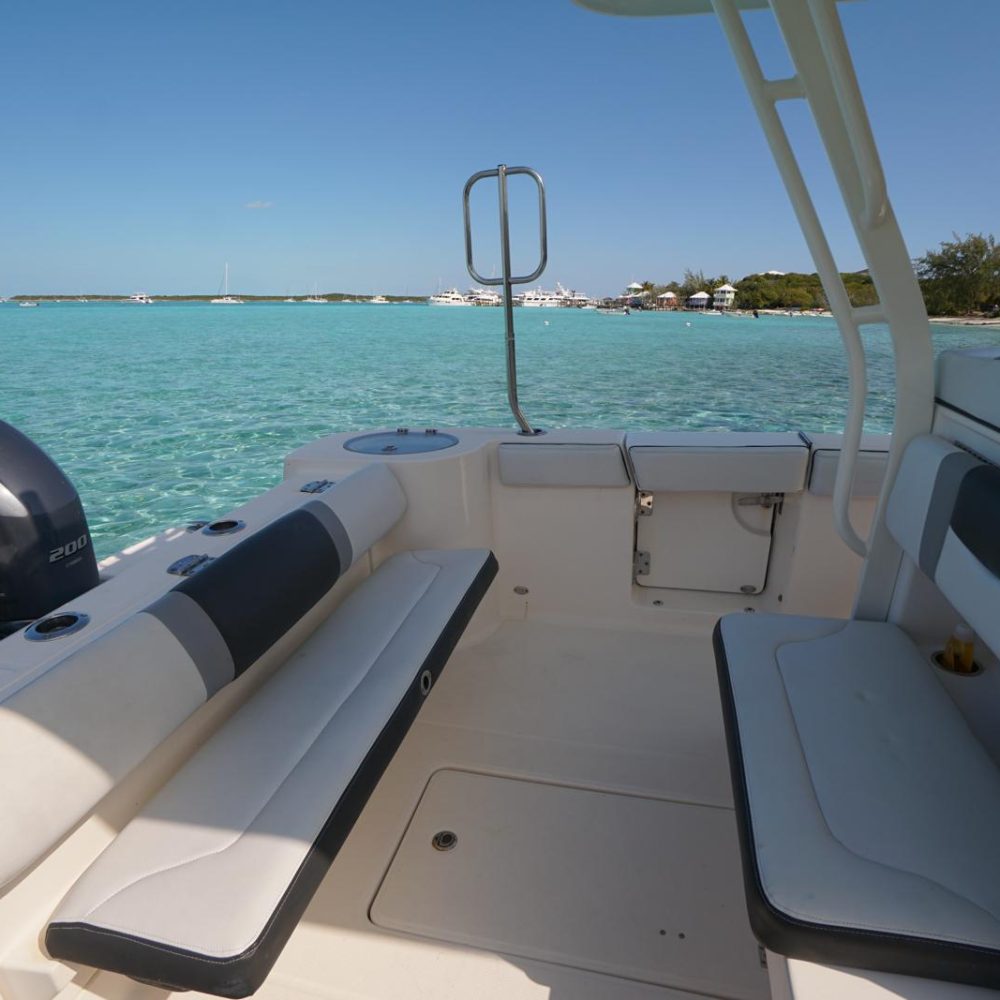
x,y
501,173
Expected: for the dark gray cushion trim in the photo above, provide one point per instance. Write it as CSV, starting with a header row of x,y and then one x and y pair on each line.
x,y
833,944
337,531
950,474
259,589
241,975
201,640
976,517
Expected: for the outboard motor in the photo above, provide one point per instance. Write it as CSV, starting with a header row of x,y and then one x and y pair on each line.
x,y
46,558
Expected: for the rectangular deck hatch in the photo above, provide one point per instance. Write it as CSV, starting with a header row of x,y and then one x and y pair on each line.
x,y
634,887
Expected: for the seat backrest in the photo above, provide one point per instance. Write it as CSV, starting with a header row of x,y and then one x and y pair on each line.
x,y
944,511
71,733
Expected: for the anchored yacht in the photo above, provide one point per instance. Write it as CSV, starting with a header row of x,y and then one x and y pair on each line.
x,y
452,297
535,713
484,297
139,299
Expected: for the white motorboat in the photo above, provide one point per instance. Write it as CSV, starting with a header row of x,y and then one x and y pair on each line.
x,y
26,304
378,300
539,298
451,297
225,299
489,712
484,297
139,299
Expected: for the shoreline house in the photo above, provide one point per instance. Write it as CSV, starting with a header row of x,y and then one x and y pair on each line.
x,y
698,301
723,297
634,295
666,300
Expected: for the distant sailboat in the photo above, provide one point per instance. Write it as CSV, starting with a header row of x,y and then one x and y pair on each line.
x,y
316,299
226,299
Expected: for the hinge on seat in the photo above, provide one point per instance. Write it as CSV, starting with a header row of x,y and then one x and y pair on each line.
x,y
760,500
317,486
189,565
640,563
644,504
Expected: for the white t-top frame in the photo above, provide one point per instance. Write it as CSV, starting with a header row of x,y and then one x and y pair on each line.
x,y
825,79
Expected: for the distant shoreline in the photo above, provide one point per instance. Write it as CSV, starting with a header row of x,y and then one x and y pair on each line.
x,y
328,296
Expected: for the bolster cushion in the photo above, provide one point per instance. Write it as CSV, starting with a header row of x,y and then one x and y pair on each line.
x,y
74,731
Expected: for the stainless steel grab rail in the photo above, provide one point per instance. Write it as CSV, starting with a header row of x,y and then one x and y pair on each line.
x,y
501,173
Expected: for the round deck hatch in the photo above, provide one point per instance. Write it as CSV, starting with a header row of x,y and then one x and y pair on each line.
x,y
401,442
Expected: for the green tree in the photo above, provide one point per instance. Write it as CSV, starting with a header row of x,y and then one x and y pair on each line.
x,y
962,276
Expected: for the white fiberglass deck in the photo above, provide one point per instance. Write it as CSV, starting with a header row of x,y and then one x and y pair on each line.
x,y
582,725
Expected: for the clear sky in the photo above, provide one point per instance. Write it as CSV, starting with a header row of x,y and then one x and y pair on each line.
x,y
326,143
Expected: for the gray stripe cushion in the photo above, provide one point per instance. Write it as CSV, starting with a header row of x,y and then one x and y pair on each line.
x,y
944,511
78,728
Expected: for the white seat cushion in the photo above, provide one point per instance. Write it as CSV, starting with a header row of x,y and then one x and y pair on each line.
x,y
74,731
868,812
201,890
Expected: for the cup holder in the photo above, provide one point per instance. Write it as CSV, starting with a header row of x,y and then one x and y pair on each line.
x,y
56,626
938,659
229,527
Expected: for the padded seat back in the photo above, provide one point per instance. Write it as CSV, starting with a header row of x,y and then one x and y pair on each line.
x,y
73,732
944,511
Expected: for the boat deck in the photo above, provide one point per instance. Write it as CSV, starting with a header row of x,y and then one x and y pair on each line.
x,y
583,773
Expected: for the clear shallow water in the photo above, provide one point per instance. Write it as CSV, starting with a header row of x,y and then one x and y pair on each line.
x,y
162,413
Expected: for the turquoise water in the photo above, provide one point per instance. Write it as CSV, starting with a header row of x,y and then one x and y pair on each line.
x,y
166,412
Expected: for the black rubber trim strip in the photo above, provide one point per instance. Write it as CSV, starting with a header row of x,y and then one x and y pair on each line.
x,y
240,975
833,944
259,589
975,518
966,413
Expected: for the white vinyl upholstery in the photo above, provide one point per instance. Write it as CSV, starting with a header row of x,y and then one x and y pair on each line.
x,y
560,465
967,382
700,462
869,470
873,807
921,516
867,808
77,729
207,866
368,503
73,731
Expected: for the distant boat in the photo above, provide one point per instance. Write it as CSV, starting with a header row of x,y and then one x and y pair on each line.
x,y
317,300
452,297
226,299
378,300
484,297
139,299
27,305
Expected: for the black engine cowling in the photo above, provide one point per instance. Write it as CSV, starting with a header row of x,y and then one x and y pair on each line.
x,y
46,557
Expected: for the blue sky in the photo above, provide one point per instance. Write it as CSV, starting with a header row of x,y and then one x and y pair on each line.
x,y
137,139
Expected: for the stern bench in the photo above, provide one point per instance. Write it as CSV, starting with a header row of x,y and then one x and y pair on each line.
x,y
867,810
201,890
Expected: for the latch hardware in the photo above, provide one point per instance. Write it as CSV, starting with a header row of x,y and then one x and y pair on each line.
x,y
640,564
644,504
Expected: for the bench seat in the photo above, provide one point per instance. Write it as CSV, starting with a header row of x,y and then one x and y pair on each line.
x,y
867,810
203,888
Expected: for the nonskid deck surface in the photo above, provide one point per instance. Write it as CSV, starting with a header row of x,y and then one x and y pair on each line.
x,y
584,773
